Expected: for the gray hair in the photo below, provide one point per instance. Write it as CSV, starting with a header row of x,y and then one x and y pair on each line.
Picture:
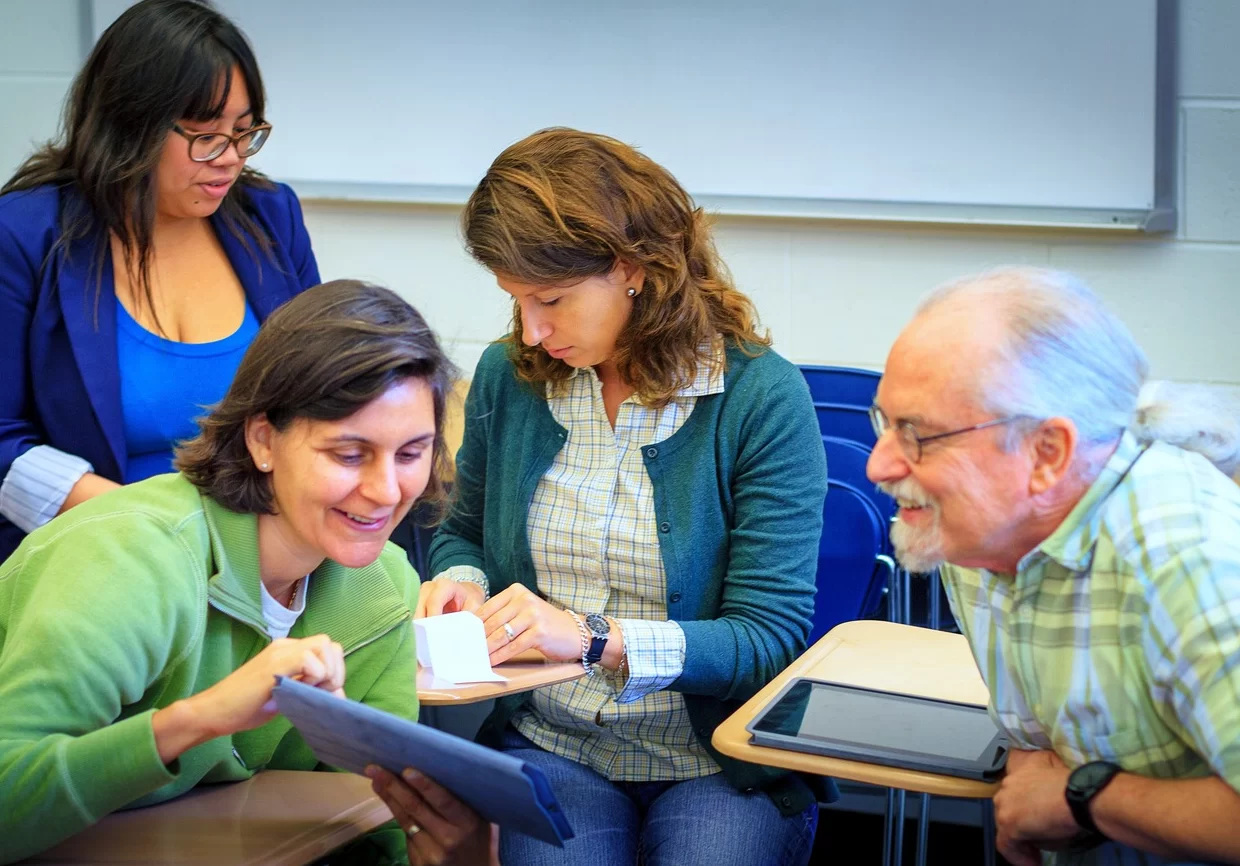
x,y
1067,355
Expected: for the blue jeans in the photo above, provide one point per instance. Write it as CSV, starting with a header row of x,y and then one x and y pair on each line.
x,y
697,822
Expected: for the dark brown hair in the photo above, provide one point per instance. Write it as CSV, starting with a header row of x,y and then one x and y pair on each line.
x,y
160,62
323,355
561,206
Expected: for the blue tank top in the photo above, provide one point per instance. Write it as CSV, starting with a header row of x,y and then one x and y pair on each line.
x,y
166,385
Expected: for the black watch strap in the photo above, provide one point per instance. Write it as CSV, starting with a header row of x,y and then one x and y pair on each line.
x,y
1086,783
599,629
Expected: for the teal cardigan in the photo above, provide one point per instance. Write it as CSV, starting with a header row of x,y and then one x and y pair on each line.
x,y
738,494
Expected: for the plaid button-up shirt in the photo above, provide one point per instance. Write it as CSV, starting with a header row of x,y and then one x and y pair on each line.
x,y
595,546
1118,639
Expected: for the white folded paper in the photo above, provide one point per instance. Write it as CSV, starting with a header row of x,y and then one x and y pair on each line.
x,y
453,647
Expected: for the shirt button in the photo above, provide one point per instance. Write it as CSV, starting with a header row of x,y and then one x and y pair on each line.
x,y
674,597
665,527
652,453
785,801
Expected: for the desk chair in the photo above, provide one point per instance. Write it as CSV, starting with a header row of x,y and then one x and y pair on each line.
x,y
853,559
847,385
845,421
846,461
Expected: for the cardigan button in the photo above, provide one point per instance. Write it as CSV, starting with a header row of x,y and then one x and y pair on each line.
x,y
674,597
665,527
652,453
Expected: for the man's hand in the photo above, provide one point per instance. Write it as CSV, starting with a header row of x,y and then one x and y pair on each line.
x,y
1031,811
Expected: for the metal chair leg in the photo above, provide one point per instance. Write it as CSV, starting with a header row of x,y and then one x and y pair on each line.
x,y
897,845
907,598
923,829
888,817
988,832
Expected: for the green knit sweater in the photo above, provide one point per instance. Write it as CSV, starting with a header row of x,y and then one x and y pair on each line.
x,y
140,598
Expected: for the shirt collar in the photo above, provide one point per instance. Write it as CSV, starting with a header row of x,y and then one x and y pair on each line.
x,y
709,378
1072,543
353,605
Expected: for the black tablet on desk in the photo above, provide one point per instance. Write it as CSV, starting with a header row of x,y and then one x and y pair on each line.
x,y
875,727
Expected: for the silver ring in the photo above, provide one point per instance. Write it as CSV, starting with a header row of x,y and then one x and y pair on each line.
x,y
508,631
412,830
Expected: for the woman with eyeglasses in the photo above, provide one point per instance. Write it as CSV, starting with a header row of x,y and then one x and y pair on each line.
x,y
138,256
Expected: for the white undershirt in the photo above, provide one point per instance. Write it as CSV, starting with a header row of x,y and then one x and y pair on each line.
x,y
280,619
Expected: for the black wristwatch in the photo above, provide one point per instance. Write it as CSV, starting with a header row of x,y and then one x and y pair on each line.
x,y
599,628
1085,783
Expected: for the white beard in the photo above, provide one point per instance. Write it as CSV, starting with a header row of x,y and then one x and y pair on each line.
x,y
919,550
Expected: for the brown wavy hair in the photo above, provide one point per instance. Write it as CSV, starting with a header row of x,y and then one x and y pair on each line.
x,y
323,355
562,206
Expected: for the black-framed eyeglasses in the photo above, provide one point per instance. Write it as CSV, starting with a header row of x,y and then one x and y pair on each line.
x,y
206,146
911,444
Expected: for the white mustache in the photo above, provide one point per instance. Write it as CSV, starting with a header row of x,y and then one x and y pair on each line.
x,y
908,491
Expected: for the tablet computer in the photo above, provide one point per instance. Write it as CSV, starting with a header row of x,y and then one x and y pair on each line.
x,y
876,727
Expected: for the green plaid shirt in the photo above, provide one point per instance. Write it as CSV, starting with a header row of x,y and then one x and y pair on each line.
x,y
1119,637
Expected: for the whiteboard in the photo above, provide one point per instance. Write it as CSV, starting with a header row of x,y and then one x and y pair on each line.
x,y
974,110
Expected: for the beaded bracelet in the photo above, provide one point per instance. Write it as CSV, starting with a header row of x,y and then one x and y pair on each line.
x,y
585,643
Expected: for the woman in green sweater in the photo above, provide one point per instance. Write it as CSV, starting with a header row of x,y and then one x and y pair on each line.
x,y
640,487
141,632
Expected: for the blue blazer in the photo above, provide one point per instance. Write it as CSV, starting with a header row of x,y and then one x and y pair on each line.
x,y
59,382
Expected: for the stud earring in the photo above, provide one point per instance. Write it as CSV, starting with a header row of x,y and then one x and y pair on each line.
x,y
263,466
632,293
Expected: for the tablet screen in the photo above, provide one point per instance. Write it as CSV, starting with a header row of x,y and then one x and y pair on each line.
x,y
850,716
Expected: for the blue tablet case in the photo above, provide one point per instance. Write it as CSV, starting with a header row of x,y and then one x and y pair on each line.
x,y
350,735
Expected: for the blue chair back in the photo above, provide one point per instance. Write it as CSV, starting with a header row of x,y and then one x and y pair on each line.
x,y
851,558
846,462
847,385
843,421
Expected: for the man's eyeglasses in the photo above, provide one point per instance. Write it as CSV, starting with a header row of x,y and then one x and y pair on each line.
x,y
206,146
911,444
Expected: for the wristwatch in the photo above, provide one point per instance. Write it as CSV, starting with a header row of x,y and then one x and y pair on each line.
x,y
1085,783
599,628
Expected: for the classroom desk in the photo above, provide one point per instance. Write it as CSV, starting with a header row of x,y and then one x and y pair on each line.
x,y
276,818
877,655
528,671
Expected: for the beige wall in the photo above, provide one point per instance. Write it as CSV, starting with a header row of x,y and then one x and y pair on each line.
x,y
839,292
830,292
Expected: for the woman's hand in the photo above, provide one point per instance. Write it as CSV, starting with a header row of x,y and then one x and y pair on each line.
x,y
442,830
242,700
88,486
444,595
533,623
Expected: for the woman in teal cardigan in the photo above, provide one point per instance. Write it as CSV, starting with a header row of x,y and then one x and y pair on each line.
x,y
141,632
640,487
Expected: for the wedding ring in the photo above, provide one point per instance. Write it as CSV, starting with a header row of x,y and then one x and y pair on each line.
x,y
412,830
508,631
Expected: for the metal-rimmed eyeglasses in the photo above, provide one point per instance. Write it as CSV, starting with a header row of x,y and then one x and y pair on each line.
x,y
206,146
911,444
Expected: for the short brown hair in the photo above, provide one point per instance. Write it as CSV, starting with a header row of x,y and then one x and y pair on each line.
x,y
323,355
562,206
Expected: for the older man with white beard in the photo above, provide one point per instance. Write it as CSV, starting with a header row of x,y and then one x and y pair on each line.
x,y
1095,575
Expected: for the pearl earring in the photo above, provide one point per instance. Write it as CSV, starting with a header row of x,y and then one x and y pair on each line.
x,y
632,293
263,466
